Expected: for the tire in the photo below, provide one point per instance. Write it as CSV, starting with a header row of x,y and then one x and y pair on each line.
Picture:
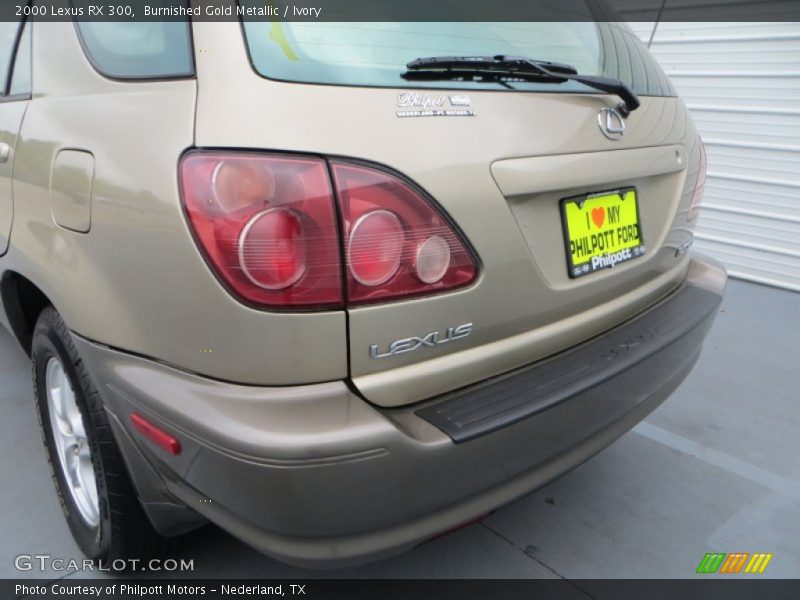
x,y
109,526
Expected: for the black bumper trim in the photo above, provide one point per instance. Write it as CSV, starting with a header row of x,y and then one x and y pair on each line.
x,y
506,399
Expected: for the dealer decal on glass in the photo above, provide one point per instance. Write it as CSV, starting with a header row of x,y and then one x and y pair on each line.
x,y
601,230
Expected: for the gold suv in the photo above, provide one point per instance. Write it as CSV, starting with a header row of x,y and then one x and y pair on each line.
x,y
339,287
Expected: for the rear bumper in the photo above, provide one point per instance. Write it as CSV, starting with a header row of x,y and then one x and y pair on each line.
x,y
314,475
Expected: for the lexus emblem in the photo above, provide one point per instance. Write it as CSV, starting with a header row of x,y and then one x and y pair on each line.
x,y
611,123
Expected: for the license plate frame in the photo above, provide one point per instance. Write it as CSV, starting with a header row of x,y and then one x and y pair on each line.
x,y
593,239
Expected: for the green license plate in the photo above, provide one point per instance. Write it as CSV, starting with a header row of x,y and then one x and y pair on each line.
x,y
601,230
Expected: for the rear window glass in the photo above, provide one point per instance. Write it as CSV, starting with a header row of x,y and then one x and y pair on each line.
x,y
21,77
138,50
375,54
8,37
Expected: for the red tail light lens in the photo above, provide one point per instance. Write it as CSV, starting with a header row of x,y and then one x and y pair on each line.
x,y
397,244
699,186
375,247
432,259
267,225
272,250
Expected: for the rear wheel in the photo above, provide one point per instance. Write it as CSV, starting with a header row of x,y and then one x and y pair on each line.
x,y
93,487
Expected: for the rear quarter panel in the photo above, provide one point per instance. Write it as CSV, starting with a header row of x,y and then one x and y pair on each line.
x,y
136,281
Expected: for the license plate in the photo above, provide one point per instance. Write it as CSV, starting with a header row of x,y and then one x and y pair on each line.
x,y
601,230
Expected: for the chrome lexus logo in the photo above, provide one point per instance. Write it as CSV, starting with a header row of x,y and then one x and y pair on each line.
x,y
430,340
611,123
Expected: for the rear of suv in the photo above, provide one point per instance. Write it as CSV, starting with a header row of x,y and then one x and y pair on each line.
x,y
340,287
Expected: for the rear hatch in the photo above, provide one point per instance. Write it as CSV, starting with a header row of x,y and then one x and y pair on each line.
x,y
499,162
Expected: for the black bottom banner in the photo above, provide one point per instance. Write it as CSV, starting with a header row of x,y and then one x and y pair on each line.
x,y
386,589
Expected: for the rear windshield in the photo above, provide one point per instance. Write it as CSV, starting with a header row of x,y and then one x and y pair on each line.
x,y
375,54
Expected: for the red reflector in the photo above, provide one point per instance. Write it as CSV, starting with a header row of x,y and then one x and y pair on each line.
x,y
159,437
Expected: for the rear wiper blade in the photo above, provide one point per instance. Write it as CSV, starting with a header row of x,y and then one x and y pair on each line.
x,y
502,68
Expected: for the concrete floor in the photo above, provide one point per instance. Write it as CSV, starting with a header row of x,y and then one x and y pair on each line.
x,y
716,468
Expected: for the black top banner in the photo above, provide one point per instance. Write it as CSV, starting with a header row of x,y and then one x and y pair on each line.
x,y
403,10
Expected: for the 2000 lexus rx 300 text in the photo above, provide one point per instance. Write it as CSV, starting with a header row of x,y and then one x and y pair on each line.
x,y
339,287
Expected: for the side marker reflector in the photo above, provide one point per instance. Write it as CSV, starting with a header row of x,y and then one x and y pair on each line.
x,y
158,436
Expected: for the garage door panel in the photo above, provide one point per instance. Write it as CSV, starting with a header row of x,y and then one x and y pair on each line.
x,y
751,199
754,229
741,82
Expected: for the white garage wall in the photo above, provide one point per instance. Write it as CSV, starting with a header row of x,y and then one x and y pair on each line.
x,y
741,82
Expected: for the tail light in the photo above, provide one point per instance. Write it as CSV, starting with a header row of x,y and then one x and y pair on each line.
x,y
268,226
397,243
699,186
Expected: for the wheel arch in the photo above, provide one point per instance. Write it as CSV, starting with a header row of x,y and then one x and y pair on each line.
x,y
22,301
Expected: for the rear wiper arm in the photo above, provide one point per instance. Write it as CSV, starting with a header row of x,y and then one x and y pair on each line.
x,y
502,68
